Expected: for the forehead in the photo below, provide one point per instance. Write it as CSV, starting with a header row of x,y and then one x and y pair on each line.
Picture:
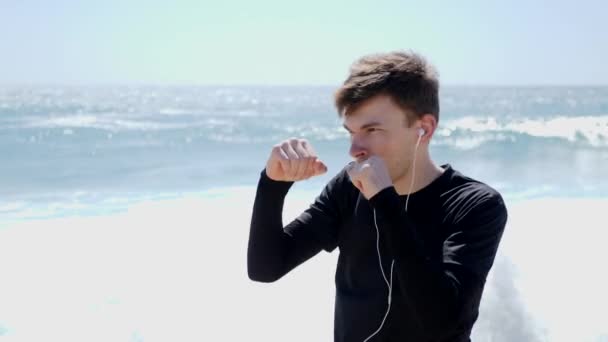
x,y
380,108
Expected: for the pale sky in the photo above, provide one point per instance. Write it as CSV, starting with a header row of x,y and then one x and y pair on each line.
x,y
305,42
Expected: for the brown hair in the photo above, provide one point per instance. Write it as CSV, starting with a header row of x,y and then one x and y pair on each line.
x,y
404,76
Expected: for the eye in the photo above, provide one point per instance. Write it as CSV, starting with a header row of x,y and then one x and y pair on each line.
x,y
372,129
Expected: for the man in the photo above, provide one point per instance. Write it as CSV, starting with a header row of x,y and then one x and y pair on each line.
x,y
416,240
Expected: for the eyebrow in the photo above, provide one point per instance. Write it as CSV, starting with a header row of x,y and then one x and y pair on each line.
x,y
367,125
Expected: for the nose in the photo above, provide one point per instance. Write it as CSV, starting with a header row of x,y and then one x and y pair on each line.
x,y
357,151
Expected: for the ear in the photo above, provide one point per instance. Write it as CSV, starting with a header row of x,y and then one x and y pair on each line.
x,y
428,123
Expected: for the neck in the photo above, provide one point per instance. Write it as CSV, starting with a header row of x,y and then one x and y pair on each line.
x,y
426,173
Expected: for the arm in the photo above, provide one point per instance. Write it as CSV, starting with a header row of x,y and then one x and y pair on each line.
x,y
442,293
273,251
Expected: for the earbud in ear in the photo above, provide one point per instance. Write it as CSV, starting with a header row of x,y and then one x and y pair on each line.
x,y
421,132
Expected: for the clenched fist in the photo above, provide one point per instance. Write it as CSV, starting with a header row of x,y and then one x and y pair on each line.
x,y
293,160
369,176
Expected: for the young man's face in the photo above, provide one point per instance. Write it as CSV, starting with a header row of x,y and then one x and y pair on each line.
x,y
378,127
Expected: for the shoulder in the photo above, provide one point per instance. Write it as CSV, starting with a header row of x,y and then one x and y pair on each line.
x,y
468,199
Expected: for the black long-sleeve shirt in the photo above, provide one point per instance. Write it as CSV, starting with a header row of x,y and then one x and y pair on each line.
x,y
443,249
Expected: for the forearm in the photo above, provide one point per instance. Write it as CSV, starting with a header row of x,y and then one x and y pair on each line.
x,y
268,242
275,249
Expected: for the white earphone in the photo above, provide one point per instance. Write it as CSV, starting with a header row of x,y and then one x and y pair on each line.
x,y
389,280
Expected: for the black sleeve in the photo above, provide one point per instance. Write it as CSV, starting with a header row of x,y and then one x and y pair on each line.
x,y
445,293
274,250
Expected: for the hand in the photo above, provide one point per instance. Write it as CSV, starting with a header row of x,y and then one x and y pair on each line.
x,y
369,176
293,160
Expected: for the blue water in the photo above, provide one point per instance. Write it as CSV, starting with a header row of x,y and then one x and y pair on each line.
x,y
74,147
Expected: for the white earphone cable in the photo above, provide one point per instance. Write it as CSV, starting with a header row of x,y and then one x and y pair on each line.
x,y
389,284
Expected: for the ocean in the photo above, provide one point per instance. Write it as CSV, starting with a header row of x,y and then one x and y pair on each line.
x,y
124,210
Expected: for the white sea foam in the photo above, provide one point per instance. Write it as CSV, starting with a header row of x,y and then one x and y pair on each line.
x,y
109,122
174,111
592,129
176,270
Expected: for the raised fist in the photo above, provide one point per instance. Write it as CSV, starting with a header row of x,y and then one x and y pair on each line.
x,y
293,160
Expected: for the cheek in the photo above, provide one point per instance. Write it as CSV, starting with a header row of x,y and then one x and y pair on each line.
x,y
372,144
392,151
380,144
396,154
394,147
376,146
